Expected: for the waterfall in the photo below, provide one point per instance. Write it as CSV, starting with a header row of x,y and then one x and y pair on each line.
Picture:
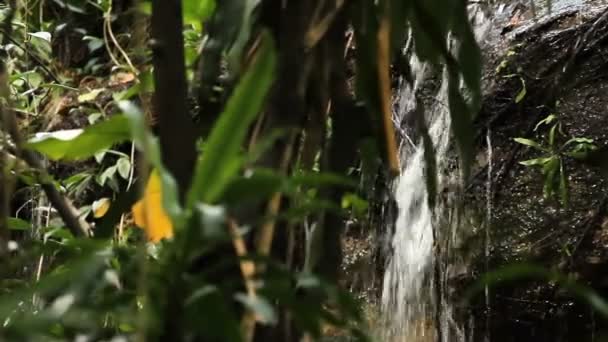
x,y
412,301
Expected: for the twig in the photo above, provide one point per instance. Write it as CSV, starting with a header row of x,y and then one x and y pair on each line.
x,y
65,208
29,52
266,234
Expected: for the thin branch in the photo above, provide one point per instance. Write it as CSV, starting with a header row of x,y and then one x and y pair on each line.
x,y
65,208
7,37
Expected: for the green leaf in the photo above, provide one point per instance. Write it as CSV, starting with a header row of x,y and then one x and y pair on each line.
x,y
550,170
15,223
260,306
46,36
529,142
579,141
197,11
106,174
522,93
563,184
552,136
536,161
258,184
124,167
90,96
549,119
220,161
81,143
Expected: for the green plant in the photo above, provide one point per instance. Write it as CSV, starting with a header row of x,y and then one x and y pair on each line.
x,y
551,161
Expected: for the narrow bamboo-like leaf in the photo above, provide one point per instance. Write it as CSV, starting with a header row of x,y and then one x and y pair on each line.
x,y
549,119
579,141
550,170
218,164
521,95
535,161
81,143
462,123
563,184
529,142
469,54
552,136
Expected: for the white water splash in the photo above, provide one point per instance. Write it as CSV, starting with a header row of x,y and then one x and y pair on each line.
x,y
408,297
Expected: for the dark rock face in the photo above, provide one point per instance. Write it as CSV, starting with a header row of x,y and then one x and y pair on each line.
x,y
560,65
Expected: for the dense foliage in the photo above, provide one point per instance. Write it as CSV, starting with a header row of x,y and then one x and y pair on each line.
x,y
240,126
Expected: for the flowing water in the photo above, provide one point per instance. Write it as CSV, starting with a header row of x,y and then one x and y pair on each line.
x,y
412,304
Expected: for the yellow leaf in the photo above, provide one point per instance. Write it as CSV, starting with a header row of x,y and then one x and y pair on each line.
x,y
100,207
149,213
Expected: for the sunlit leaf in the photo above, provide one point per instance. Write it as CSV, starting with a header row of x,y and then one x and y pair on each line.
x,y
549,119
90,96
81,143
520,96
536,161
100,207
529,142
123,165
197,11
42,35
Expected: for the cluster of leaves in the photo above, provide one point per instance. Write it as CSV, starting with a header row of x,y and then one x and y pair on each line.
x,y
551,162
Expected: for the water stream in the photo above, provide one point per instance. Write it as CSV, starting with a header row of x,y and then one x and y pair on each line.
x,y
411,302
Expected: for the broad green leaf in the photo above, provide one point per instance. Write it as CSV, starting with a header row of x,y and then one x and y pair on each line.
x,y
81,143
197,11
529,142
220,161
106,175
15,223
41,35
258,184
123,165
